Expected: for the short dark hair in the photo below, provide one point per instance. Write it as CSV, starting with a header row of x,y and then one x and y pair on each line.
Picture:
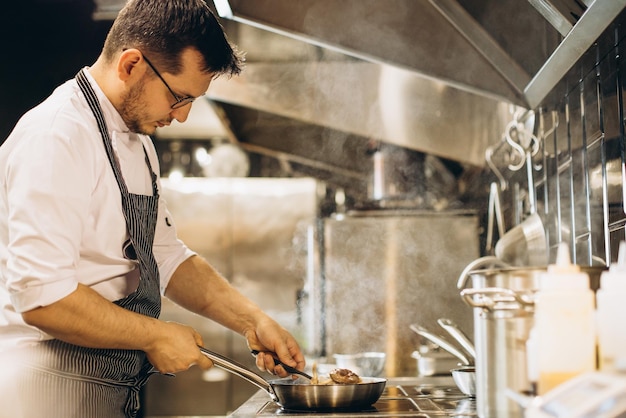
x,y
162,29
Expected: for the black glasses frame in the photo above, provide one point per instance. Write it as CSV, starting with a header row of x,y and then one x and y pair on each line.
x,y
180,101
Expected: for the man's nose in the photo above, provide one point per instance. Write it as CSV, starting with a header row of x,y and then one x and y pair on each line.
x,y
181,113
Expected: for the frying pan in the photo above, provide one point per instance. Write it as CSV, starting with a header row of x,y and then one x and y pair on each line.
x,y
300,394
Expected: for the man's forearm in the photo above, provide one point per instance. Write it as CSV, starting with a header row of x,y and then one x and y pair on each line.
x,y
198,287
87,319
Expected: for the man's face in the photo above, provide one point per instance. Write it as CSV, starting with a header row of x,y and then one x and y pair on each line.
x,y
147,104
135,111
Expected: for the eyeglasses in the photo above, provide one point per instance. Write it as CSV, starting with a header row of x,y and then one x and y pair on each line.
x,y
180,101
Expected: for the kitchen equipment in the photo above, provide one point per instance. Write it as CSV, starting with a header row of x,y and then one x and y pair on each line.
x,y
441,342
421,397
287,367
494,214
525,244
595,394
465,379
503,317
433,363
299,395
369,364
503,304
458,334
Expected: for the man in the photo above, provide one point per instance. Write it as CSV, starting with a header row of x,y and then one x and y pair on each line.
x,y
87,245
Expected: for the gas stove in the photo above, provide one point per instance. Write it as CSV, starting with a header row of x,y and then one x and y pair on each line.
x,y
403,397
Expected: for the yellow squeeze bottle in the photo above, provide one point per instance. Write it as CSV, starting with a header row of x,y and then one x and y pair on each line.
x,y
564,325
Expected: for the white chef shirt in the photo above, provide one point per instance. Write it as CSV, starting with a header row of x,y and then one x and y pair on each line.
x,y
61,219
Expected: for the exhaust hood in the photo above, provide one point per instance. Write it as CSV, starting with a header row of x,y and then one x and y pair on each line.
x,y
440,77
509,49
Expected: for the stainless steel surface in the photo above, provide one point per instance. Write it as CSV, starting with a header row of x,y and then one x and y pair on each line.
x,y
301,394
386,270
503,304
402,108
502,323
240,370
591,24
465,379
403,397
469,36
483,42
525,244
432,76
434,363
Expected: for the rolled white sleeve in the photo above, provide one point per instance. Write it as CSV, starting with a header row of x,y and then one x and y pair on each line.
x,y
47,207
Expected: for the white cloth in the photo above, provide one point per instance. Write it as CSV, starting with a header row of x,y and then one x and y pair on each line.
x,y
61,220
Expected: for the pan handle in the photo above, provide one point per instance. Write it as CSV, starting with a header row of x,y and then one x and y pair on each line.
x,y
456,332
489,297
235,368
418,329
482,262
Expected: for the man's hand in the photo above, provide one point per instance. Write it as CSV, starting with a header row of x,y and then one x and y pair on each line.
x,y
177,349
269,337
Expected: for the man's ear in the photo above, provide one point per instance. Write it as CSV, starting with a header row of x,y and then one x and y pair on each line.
x,y
127,64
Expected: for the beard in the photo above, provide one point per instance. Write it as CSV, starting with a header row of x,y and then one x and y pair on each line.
x,y
134,109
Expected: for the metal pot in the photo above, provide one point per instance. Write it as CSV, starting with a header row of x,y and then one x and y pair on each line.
x,y
503,302
300,394
465,379
503,318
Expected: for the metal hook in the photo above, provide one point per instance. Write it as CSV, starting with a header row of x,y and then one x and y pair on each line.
x,y
516,146
488,155
494,213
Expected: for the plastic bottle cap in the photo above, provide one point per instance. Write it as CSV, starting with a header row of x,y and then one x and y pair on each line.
x,y
563,262
615,277
563,274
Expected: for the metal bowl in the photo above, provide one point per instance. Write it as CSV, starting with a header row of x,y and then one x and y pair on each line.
x,y
465,379
369,364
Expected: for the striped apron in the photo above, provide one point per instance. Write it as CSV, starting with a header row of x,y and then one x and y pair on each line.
x,y
66,380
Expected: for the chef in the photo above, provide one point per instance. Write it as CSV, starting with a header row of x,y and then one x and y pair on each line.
x,y
87,245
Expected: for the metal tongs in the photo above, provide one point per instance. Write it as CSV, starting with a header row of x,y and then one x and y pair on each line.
x,y
288,368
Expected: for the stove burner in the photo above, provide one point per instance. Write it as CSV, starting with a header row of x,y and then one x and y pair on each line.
x,y
382,405
445,392
423,401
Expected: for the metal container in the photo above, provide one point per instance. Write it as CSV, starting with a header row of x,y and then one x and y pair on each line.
x,y
465,379
434,363
503,301
369,364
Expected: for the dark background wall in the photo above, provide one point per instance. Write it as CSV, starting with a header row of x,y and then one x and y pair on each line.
x,y
43,43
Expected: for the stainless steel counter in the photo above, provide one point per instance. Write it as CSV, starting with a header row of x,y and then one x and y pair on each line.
x,y
422,397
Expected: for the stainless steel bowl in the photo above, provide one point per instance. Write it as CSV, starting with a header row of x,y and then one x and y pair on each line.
x,y
465,379
370,364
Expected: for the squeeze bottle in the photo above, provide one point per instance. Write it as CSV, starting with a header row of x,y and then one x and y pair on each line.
x,y
564,325
611,311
